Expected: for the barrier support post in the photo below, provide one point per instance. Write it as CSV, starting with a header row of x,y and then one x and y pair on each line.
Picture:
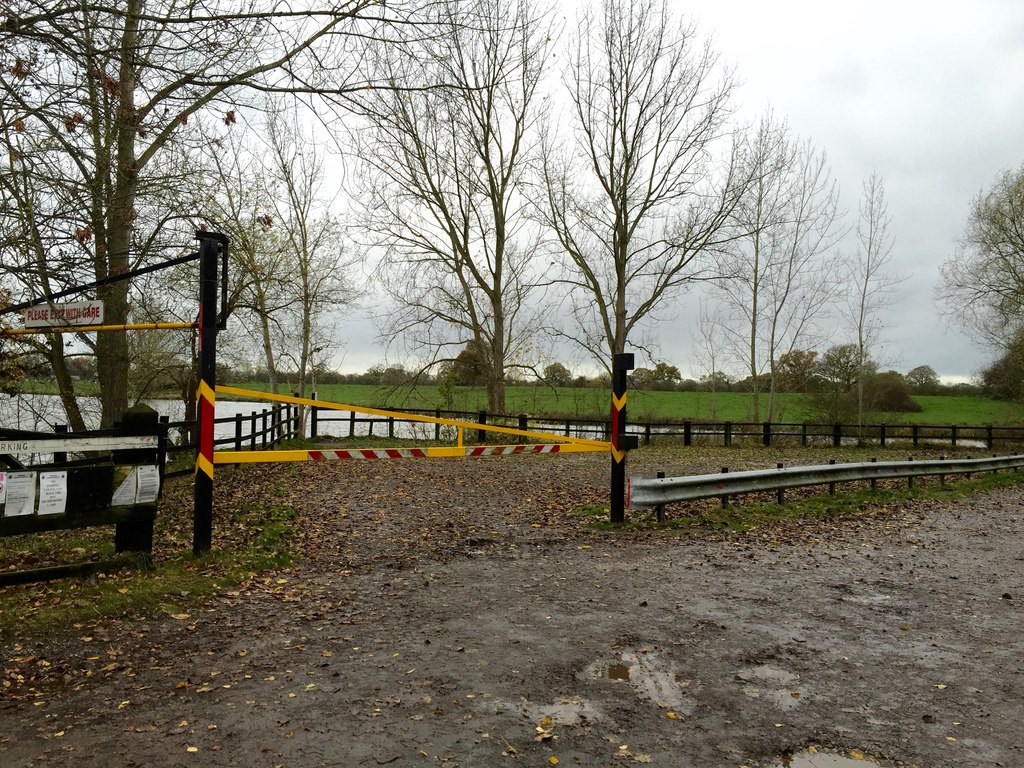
x,y
211,245
622,363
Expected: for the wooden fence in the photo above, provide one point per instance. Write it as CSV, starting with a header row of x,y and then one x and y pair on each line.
x,y
114,478
726,433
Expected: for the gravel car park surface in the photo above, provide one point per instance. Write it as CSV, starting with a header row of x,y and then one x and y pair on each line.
x,y
460,613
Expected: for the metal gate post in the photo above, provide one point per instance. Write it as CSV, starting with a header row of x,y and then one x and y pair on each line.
x,y
210,246
621,365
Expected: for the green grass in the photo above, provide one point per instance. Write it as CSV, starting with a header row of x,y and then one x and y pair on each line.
x,y
657,405
644,405
254,537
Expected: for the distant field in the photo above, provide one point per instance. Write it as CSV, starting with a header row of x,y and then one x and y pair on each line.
x,y
655,406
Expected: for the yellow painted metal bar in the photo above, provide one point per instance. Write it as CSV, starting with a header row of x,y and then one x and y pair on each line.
x,y
433,452
90,328
539,436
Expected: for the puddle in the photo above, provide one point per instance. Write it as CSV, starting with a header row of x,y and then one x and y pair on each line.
x,y
767,674
826,759
650,676
618,672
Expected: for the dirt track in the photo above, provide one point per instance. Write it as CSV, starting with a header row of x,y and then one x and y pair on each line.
x,y
474,624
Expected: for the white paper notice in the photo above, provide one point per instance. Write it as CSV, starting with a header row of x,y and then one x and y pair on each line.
x,y
124,496
53,493
21,494
3,487
149,484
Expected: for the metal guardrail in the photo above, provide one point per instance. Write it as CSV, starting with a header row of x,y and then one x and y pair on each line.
x,y
653,492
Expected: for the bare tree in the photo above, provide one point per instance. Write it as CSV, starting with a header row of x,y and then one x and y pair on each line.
x,y
316,264
441,176
983,283
869,281
636,197
778,274
94,94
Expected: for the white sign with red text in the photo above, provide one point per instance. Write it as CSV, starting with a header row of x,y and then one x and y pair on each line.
x,y
73,313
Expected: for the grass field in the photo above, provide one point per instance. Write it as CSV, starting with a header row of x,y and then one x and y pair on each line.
x,y
656,406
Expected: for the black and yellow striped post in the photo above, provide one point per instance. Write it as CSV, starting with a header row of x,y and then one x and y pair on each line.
x,y
210,246
622,364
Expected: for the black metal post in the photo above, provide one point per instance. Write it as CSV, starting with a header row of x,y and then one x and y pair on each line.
x,y
211,245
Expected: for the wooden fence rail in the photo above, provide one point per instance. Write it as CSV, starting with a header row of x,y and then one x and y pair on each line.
x,y
725,433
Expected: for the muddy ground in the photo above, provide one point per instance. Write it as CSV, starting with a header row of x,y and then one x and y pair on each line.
x,y
457,614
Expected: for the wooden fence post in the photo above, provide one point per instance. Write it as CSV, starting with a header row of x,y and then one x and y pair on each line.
x,y
59,457
137,536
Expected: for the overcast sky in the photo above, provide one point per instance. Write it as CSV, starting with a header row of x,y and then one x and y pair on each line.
x,y
929,94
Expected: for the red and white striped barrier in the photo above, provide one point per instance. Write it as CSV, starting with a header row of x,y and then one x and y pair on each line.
x,y
511,450
370,453
425,453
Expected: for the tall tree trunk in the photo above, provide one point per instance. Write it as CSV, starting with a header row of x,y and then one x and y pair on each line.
x,y
112,358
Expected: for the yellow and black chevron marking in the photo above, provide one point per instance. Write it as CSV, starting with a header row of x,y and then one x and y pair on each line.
x,y
618,405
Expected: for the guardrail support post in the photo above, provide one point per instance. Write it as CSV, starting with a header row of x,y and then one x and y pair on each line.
x,y
727,433
687,433
989,438
952,434
803,433
910,478
766,434
622,364
780,494
874,482
725,498
832,486
660,508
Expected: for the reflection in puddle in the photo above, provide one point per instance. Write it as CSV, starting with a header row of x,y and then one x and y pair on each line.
x,y
812,758
651,676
